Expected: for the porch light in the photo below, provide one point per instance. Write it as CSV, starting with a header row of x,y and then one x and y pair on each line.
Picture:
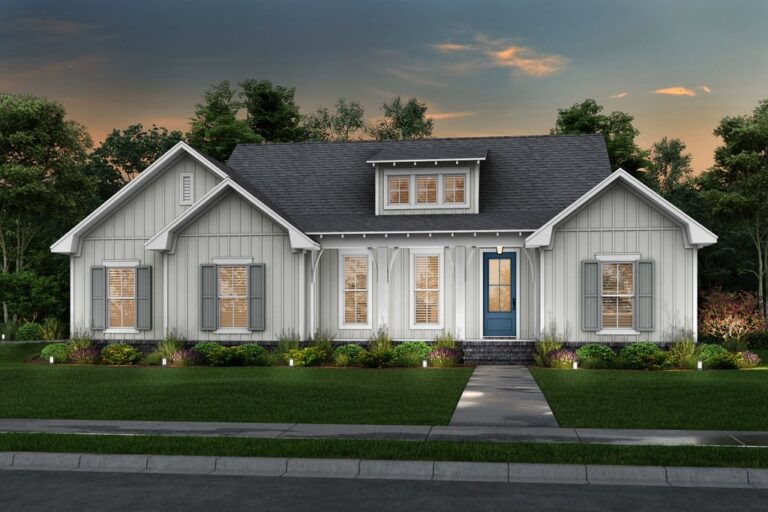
x,y
699,365
423,363
575,365
165,362
290,362
499,249
50,360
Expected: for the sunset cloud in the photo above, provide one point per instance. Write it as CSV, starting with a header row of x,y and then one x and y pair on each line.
x,y
451,47
527,61
450,115
620,95
676,91
705,89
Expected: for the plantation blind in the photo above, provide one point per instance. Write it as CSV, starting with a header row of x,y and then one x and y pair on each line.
x,y
426,289
355,289
232,296
121,297
426,189
618,295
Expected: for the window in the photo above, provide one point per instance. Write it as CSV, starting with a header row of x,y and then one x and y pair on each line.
x,y
499,285
618,292
187,189
426,189
233,296
355,289
399,188
427,292
453,189
121,296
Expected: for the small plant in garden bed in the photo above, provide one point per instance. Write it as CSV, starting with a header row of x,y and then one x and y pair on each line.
x,y
251,354
411,353
747,360
288,340
52,329
185,357
323,341
707,351
88,355
642,356
444,357
348,355
561,358
682,352
309,356
595,355
59,352
549,342
30,331
120,354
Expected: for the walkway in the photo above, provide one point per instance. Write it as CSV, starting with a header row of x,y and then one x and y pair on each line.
x,y
503,396
391,432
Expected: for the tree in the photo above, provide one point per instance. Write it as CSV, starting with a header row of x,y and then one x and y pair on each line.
x,y
669,167
736,187
730,316
272,111
43,188
348,120
215,129
617,128
403,121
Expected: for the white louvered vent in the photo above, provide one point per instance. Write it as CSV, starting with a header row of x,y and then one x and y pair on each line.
x,y
187,189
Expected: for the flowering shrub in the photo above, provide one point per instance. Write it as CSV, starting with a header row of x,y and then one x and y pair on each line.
x,y
731,316
444,357
549,342
87,355
186,357
747,359
561,358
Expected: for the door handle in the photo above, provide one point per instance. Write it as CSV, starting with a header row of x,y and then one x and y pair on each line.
x,y
514,304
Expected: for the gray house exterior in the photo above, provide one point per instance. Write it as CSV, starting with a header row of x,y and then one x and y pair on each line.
x,y
491,239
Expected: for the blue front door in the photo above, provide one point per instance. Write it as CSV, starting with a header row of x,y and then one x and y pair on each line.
x,y
500,294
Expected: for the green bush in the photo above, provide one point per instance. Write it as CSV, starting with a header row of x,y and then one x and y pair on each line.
x,y
80,339
30,331
170,345
224,356
411,353
548,343
52,329
595,355
683,354
153,359
348,355
323,341
380,341
709,350
120,353
720,361
205,348
286,342
309,356
445,340
59,351
382,358
643,355
252,354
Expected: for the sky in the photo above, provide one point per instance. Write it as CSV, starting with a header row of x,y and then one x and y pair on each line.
x,y
483,67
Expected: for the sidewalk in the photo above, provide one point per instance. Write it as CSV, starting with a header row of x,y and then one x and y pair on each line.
x,y
391,432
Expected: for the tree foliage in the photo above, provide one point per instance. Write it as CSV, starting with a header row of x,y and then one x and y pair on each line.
x,y
215,129
346,122
402,120
669,167
587,118
730,315
272,111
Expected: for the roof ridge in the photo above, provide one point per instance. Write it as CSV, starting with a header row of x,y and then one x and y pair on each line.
x,y
432,139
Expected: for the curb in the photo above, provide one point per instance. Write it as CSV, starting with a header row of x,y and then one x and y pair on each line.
x,y
577,474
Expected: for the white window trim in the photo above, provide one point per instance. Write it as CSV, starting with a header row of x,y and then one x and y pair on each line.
x,y
232,330
440,172
482,290
432,251
120,330
191,177
121,263
608,259
232,261
354,252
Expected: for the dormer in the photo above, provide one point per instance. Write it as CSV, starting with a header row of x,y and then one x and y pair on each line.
x,y
413,180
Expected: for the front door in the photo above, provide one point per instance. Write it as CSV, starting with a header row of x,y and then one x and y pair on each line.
x,y
500,294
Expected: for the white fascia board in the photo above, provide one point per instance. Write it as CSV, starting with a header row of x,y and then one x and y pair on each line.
x,y
420,160
435,231
697,235
69,243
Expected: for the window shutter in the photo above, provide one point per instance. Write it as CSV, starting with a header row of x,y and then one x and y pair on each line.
x,y
590,305
98,298
144,298
256,297
208,306
644,292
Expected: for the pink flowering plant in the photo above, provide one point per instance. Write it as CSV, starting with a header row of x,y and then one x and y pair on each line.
x,y
731,316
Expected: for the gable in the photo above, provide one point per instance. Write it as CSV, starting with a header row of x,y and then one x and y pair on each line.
x,y
232,215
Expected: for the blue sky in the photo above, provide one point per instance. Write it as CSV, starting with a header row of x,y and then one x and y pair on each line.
x,y
483,67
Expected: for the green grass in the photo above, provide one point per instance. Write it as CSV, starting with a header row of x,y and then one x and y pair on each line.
x,y
708,400
392,450
301,395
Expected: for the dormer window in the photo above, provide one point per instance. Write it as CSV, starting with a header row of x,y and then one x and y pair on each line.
x,y
453,189
398,189
426,188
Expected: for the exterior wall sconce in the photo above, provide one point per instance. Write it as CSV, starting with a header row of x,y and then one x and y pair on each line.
x,y
499,249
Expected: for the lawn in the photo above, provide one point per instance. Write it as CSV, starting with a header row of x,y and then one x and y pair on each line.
x,y
290,395
555,453
707,400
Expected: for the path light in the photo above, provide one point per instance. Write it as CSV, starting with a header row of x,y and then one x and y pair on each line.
x,y
50,360
3,337
575,365
165,362
290,362
423,363
699,365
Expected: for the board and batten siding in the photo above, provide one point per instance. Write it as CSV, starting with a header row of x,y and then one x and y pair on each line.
x,y
618,221
233,228
122,236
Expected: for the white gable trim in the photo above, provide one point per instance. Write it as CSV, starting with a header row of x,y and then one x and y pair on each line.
x,y
70,242
696,234
165,239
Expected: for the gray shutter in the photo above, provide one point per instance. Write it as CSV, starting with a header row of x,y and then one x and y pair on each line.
x,y
256,297
590,304
208,306
144,298
644,294
98,298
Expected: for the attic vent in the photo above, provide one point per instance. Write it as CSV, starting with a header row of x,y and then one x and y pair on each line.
x,y
187,189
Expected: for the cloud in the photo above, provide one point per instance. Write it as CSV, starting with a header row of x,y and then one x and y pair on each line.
x,y
527,61
411,75
676,91
451,47
450,115
619,95
705,89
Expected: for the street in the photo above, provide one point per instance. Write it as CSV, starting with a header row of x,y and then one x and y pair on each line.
x,y
31,491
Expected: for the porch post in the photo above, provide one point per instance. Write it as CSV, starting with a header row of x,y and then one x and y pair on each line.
x,y
382,286
460,270
302,294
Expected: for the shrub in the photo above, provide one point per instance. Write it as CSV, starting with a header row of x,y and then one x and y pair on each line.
x,y
561,358
323,341
224,356
80,339
348,355
286,342
643,356
186,357
709,350
443,357
411,353
549,342
272,359
30,331
120,353
723,361
252,354
59,351
380,341
682,353
309,356
747,360
205,348
445,340
51,329
170,345
731,316
758,340
87,355
595,355
152,359
381,358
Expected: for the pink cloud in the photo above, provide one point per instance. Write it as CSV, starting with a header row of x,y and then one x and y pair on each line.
x,y
676,91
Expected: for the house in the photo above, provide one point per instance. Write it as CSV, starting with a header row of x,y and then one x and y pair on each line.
x,y
494,239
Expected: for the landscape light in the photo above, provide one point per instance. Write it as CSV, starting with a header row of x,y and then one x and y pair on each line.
x,y
575,365
424,363
50,360
290,362
699,365
3,337
165,362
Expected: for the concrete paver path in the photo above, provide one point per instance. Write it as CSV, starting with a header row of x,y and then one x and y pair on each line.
x,y
503,396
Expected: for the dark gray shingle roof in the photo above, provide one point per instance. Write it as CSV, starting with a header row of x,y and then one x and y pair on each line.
x,y
329,187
